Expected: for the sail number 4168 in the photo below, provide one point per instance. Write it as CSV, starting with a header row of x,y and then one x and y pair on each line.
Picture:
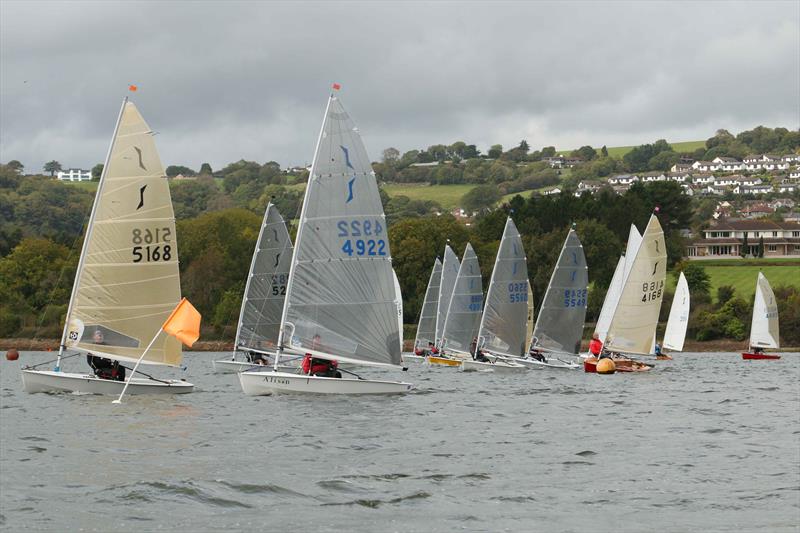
x,y
652,291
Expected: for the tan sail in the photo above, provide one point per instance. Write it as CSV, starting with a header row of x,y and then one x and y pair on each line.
x,y
634,323
127,283
764,329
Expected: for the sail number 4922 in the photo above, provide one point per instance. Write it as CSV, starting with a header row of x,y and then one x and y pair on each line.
x,y
652,291
151,245
355,237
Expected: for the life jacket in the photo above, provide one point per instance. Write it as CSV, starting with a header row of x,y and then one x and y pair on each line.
x,y
419,351
596,346
312,365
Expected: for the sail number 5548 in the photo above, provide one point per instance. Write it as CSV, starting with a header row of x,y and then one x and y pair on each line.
x,y
355,237
652,291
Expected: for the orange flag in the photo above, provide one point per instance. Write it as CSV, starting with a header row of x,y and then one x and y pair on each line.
x,y
184,323
132,88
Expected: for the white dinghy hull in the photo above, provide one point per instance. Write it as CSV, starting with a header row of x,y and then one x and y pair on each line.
x,y
227,366
266,383
533,363
498,367
50,381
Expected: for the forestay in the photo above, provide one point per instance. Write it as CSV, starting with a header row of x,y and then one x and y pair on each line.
x,y
559,327
450,267
464,311
265,290
764,327
678,320
340,300
633,326
502,327
127,282
426,328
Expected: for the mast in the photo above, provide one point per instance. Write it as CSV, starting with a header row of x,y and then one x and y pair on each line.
x,y
87,235
292,266
249,278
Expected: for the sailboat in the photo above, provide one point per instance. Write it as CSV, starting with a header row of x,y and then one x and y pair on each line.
x,y
340,296
463,313
450,267
559,326
398,302
502,328
264,293
678,321
633,326
127,282
426,326
764,331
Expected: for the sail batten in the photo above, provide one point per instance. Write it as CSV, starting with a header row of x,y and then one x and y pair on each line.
x,y
466,304
559,326
633,326
340,297
503,323
130,256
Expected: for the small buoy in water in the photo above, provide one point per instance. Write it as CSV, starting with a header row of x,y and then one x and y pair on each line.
x,y
12,354
606,366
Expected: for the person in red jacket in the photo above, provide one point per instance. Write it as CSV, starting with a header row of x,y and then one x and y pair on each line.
x,y
316,366
596,345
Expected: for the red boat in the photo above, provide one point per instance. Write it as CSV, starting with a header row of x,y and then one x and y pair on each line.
x,y
622,365
748,355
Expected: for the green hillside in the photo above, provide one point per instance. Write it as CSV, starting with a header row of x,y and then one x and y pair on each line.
x,y
619,151
448,196
741,275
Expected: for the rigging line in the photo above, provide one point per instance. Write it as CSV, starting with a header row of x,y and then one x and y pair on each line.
x,y
147,375
51,361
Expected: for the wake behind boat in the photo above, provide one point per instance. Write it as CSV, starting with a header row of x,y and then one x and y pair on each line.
x,y
341,296
127,283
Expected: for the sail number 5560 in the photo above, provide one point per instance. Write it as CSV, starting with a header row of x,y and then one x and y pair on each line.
x,y
355,237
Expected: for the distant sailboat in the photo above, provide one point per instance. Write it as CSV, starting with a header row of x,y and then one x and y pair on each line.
x,y
426,327
764,330
466,304
503,323
559,326
398,302
450,269
264,293
633,325
678,321
127,282
341,295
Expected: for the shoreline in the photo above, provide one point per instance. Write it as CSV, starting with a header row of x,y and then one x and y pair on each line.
x,y
46,345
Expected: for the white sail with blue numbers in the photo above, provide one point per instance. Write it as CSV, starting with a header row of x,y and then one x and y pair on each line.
x,y
559,326
340,302
450,267
466,304
265,289
505,315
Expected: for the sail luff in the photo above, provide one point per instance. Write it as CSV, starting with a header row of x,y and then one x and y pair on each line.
x,y
293,265
678,321
250,276
426,333
611,300
490,292
450,267
464,310
764,327
87,237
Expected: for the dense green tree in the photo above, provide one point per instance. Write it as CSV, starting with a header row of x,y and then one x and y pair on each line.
x,y
174,170
16,166
696,277
480,198
587,153
205,169
495,151
52,167
391,155
97,171
604,151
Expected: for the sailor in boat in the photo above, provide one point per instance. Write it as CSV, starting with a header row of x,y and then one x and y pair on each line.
x,y
257,358
424,352
757,350
596,347
315,366
657,350
104,368
477,353
535,354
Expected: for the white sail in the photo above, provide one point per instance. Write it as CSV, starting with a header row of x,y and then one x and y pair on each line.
x,y
559,327
678,320
464,311
426,327
634,241
265,290
764,331
634,323
340,298
502,327
398,302
127,282
450,267
529,320
611,300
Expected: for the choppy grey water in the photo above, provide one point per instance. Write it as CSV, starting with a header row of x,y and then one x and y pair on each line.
x,y
707,442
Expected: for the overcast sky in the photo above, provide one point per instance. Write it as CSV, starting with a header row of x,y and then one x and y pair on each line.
x,y
226,81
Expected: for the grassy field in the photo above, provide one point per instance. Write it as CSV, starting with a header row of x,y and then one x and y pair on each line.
x,y
619,151
741,275
448,196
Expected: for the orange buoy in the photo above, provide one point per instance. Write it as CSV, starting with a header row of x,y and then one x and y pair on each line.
x,y
12,354
606,366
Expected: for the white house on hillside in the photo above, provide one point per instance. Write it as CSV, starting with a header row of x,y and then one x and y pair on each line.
x,y
74,174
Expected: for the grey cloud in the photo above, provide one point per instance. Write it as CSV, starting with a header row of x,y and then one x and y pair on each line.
x,y
223,81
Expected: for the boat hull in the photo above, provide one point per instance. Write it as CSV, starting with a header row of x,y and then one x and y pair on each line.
x,y
443,361
49,381
564,365
759,356
621,365
408,357
498,367
228,366
265,383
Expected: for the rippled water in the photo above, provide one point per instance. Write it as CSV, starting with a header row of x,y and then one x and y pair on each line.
x,y
705,443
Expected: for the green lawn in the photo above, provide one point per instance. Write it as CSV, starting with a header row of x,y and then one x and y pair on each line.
x,y
619,151
742,276
90,186
448,196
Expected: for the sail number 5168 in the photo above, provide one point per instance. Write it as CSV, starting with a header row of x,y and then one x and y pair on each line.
x,y
145,250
